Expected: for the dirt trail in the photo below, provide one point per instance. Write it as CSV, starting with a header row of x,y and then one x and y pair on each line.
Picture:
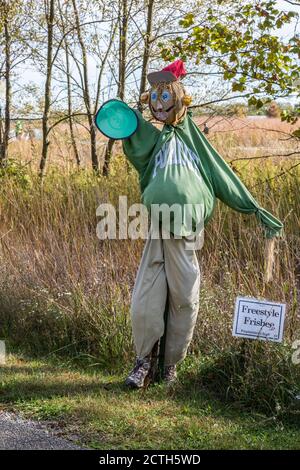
x,y
18,434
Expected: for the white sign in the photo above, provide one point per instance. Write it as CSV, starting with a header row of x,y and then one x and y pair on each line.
x,y
258,319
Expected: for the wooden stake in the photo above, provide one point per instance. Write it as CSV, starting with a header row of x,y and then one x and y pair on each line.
x,y
269,259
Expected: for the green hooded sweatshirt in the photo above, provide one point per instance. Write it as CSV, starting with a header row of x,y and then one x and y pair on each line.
x,y
179,165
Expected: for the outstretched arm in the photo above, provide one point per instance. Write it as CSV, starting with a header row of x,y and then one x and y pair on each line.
x,y
139,147
230,190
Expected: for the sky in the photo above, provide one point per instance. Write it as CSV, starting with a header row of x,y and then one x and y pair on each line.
x,y
288,30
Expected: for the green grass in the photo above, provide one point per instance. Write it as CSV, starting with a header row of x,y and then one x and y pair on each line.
x,y
97,407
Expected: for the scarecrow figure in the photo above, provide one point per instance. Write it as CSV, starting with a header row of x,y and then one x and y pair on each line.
x,y
176,165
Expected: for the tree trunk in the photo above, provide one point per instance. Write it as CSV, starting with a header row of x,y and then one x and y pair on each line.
x,y
64,15
5,138
108,152
123,25
70,109
47,105
86,93
146,54
101,71
122,49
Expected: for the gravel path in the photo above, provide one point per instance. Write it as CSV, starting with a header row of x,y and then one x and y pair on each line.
x,y
18,434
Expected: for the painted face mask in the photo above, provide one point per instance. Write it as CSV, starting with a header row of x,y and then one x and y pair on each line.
x,y
166,102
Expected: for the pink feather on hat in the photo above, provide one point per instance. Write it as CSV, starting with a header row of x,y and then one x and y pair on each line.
x,y
170,73
177,68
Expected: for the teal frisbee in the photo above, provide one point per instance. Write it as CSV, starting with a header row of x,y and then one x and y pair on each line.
x,y
116,120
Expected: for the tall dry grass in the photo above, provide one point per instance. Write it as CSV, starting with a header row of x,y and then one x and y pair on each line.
x,y
234,137
62,290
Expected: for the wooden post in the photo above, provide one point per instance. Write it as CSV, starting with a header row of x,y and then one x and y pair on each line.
x,y
158,354
162,345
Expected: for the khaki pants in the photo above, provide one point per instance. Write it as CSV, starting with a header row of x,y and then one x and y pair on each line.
x,y
166,264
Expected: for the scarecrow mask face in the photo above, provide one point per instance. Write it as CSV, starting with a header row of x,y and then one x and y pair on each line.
x,y
166,102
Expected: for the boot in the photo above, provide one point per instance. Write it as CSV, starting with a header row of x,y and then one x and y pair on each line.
x,y
138,374
170,374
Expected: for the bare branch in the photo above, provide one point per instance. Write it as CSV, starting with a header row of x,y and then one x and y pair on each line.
x,y
265,156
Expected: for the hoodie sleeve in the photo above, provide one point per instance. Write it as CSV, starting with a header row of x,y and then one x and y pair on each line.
x,y
230,190
139,147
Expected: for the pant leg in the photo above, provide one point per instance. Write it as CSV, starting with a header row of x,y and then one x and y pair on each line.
x,y
149,298
183,278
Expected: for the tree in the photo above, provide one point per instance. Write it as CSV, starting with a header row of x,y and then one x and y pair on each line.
x,y
123,16
146,54
63,15
236,41
49,15
89,44
141,25
86,89
9,30
6,22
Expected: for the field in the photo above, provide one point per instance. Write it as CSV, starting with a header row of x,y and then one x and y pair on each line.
x,y
65,297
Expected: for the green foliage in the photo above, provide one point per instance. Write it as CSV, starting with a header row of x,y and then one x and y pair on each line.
x,y
241,44
240,374
14,170
296,133
8,11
